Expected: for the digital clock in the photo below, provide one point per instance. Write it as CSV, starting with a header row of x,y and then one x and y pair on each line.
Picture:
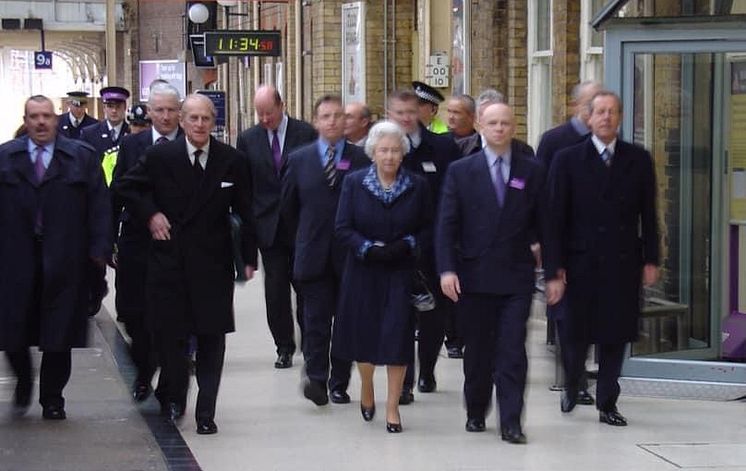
x,y
242,43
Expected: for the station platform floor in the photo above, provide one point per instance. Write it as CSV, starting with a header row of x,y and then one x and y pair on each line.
x,y
265,423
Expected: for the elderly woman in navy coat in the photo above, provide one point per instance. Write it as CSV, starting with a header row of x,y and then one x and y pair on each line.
x,y
383,222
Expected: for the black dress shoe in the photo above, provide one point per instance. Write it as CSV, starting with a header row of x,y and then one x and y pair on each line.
x,y
612,417
513,435
284,360
393,428
455,352
475,425
53,413
140,391
584,398
315,392
368,412
339,397
206,427
173,411
568,401
426,384
406,397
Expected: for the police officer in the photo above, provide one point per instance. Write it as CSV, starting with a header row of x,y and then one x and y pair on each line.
x,y
427,105
108,133
71,123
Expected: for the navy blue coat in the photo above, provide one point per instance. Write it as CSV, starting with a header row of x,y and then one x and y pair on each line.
x,y
375,321
555,140
65,127
190,277
489,247
309,207
266,183
431,159
99,137
77,225
132,236
598,213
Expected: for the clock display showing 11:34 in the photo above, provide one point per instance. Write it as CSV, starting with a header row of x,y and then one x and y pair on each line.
x,y
242,43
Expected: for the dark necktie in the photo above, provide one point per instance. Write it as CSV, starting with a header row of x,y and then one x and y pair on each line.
x,y
606,156
276,152
39,169
330,167
499,182
113,136
199,172
161,140
75,123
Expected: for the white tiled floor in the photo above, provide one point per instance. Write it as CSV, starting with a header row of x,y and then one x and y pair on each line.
x,y
265,424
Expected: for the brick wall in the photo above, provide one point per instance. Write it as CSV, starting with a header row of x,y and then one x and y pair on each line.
x,y
517,58
565,56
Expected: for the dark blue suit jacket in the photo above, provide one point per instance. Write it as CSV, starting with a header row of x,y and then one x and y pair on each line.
x,y
65,127
309,207
487,246
99,137
266,184
555,140
431,159
606,230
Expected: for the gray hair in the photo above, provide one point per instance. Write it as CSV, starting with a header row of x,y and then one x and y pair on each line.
x,y
165,89
382,129
198,98
489,96
579,88
468,101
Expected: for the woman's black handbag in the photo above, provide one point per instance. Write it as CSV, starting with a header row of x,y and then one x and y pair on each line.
x,y
422,297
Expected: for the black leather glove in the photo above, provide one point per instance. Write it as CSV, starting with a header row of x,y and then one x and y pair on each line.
x,y
399,249
377,253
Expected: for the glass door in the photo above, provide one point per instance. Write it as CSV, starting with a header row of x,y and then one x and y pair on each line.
x,y
677,95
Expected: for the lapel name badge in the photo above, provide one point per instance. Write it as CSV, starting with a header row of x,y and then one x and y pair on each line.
x,y
429,167
343,165
517,183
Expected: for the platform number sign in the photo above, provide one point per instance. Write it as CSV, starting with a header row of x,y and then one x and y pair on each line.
x,y
42,60
437,71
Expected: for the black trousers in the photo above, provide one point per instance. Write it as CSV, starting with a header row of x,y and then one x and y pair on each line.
x,y
495,352
610,360
172,350
55,366
453,337
568,353
431,327
319,306
278,267
53,377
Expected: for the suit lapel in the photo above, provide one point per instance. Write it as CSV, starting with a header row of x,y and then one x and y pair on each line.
x,y
600,173
23,166
516,184
215,169
480,175
178,162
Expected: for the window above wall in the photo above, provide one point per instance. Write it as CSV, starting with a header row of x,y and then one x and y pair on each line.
x,y
619,10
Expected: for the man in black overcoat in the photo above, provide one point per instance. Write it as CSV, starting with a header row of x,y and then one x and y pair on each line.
x,y
133,239
310,192
185,191
267,146
602,196
491,211
573,131
54,218
429,156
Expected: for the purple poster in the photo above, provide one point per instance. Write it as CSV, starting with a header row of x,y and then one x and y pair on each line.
x,y
174,72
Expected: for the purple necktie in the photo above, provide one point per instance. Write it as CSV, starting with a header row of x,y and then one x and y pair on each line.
x,y
39,169
161,140
276,152
499,182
